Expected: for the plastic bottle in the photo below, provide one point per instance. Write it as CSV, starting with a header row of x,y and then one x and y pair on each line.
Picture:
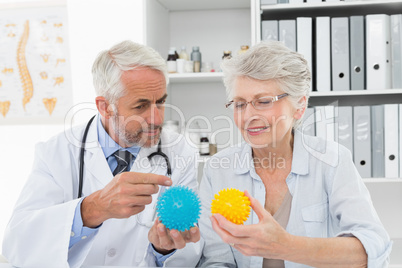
x,y
227,54
171,61
183,54
204,144
175,52
243,49
196,58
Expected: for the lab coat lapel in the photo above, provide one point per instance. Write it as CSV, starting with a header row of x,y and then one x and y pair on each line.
x,y
144,165
95,161
141,163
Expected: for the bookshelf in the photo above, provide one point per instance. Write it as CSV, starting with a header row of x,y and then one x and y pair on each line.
x,y
356,97
385,192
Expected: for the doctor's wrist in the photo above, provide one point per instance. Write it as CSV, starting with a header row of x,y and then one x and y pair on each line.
x,y
162,251
91,215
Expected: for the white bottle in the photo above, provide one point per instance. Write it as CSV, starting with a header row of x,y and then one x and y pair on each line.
x,y
204,144
171,61
183,54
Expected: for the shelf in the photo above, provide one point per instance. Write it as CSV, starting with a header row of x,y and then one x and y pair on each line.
x,y
326,5
196,77
185,5
356,97
382,180
332,9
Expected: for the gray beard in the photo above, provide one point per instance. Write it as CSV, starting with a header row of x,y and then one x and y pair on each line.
x,y
133,139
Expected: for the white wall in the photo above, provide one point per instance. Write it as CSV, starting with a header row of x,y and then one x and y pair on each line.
x,y
94,25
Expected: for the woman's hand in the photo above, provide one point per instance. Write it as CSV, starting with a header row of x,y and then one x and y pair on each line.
x,y
265,239
269,240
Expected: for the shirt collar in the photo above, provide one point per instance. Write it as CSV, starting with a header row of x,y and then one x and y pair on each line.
x,y
109,146
246,157
300,159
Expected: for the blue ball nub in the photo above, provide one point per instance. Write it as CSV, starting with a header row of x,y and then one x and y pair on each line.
x,y
179,208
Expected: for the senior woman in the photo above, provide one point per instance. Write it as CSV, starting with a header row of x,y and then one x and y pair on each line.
x,y
309,205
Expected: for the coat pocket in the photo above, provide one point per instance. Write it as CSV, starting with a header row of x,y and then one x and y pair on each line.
x,y
315,220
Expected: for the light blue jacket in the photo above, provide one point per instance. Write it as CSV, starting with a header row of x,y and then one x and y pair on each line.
x,y
329,200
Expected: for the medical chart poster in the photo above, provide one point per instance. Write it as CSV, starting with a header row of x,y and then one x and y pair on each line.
x,y
35,75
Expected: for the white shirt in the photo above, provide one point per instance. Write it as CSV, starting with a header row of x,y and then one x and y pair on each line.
x,y
329,200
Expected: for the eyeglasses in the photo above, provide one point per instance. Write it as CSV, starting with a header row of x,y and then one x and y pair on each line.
x,y
259,104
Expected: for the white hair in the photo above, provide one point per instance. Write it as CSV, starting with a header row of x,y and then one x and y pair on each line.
x,y
271,60
125,56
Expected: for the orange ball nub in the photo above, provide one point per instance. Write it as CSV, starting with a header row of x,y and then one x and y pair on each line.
x,y
232,204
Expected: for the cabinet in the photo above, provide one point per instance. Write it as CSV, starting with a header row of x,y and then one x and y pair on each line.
x,y
385,192
337,9
279,12
214,26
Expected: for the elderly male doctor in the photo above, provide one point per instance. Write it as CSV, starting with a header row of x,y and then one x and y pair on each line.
x,y
112,223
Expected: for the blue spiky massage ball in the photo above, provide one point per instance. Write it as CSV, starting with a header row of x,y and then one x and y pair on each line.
x,y
179,208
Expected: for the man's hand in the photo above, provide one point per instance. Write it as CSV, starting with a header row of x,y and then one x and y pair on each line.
x,y
126,195
165,241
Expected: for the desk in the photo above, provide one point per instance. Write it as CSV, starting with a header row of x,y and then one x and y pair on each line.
x,y
6,265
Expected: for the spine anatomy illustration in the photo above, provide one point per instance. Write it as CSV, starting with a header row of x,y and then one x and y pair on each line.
x,y
25,77
49,104
4,107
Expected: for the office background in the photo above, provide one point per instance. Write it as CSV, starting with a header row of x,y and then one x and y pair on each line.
x,y
214,26
93,26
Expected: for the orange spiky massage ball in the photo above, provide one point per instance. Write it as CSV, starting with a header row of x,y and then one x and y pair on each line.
x,y
232,204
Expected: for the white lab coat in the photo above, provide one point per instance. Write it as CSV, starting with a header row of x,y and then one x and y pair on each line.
x,y
38,233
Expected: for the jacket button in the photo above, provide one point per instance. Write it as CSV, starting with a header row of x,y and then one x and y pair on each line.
x,y
111,252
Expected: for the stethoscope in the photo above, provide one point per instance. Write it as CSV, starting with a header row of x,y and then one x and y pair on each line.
x,y
158,152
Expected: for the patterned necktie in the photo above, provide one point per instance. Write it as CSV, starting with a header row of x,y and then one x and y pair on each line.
x,y
123,161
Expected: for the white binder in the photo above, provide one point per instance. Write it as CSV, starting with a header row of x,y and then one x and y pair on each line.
x,y
323,54
345,126
304,31
287,33
308,126
357,44
400,140
340,54
377,141
324,122
269,2
269,30
295,1
396,50
314,1
362,140
378,52
391,144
